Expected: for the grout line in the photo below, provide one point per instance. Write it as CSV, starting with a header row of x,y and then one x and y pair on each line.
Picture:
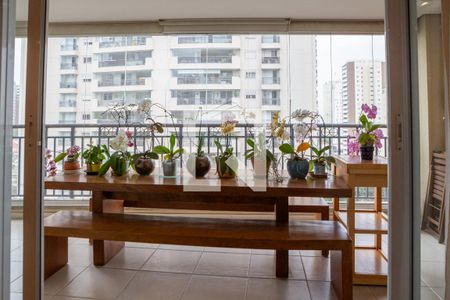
x,y
306,279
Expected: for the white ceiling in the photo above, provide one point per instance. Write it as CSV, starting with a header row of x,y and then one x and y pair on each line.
x,y
138,10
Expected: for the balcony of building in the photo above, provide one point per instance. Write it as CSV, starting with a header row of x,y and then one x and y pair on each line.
x,y
118,81
118,61
122,43
214,41
206,58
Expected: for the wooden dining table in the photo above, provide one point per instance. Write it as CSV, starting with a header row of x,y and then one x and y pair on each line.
x,y
112,194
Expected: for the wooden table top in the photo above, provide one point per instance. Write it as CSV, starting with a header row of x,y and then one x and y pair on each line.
x,y
133,183
378,164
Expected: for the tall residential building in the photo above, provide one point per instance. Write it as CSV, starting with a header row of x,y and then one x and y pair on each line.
x,y
363,81
222,74
331,105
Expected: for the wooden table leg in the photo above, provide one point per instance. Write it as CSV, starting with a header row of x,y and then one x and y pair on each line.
x,y
282,256
351,222
378,209
325,216
105,250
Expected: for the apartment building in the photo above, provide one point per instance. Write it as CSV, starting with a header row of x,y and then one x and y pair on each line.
x,y
363,81
223,75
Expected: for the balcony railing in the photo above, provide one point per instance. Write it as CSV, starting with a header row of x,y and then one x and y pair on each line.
x,y
271,101
60,137
205,59
271,60
69,66
69,47
271,80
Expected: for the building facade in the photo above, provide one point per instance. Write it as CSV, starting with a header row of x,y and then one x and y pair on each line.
x,y
221,75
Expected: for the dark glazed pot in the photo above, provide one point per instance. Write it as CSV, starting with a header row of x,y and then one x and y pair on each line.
x,y
198,166
223,166
144,166
320,169
366,152
298,168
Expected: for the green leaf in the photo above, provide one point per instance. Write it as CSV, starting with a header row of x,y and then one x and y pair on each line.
x,y
249,154
104,168
60,157
251,143
161,150
363,119
287,149
219,146
151,155
315,151
374,127
270,155
172,142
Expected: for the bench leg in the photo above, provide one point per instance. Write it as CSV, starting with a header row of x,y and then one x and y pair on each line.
x,y
325,216
105,250
55,254
342,273
282,263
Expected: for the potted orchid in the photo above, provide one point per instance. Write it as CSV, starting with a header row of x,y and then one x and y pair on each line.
x,y
297,164
170,155
70,157
226,161
93,157
119,161
369,136
257,152
198,163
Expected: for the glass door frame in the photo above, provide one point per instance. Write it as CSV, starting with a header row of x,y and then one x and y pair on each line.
x,y
8,18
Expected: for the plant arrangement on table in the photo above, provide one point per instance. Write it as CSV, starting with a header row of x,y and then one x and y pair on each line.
x,y
368,137
170,155
198,163
71,159
226,162
120,160
93,157
320,161
50,165
260,157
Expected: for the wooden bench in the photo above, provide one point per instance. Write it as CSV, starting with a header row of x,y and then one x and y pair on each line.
x,y
258,234
311,205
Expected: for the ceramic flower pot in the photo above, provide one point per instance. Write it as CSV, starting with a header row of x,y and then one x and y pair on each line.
x,y
259,170
121,167
72,165
198,166
298,168
144,166
92,169
320,169
169,168
366,152
226,166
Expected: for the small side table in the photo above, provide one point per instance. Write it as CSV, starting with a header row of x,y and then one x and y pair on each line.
x,y
370,262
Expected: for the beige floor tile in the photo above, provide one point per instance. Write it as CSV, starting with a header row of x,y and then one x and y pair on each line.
x,y
17,285
80,255
156,286
16,230
180,247
130,258
227,250
16,296
296,269
440,292
427,293
316,268
16,270
321,290
274,289
60,279
262,266
433,273
141,245
310,253
98,283
78,241
224,264
263,251
15,244
215,288
380,292
17,254
65,298
173,261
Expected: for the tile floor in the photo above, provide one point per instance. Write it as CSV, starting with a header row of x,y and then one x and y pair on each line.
x,y
149,271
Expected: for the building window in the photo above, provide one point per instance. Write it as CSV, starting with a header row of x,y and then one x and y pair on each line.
x,y
250,75
250,96
86,117
87,60
67,117
87,79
